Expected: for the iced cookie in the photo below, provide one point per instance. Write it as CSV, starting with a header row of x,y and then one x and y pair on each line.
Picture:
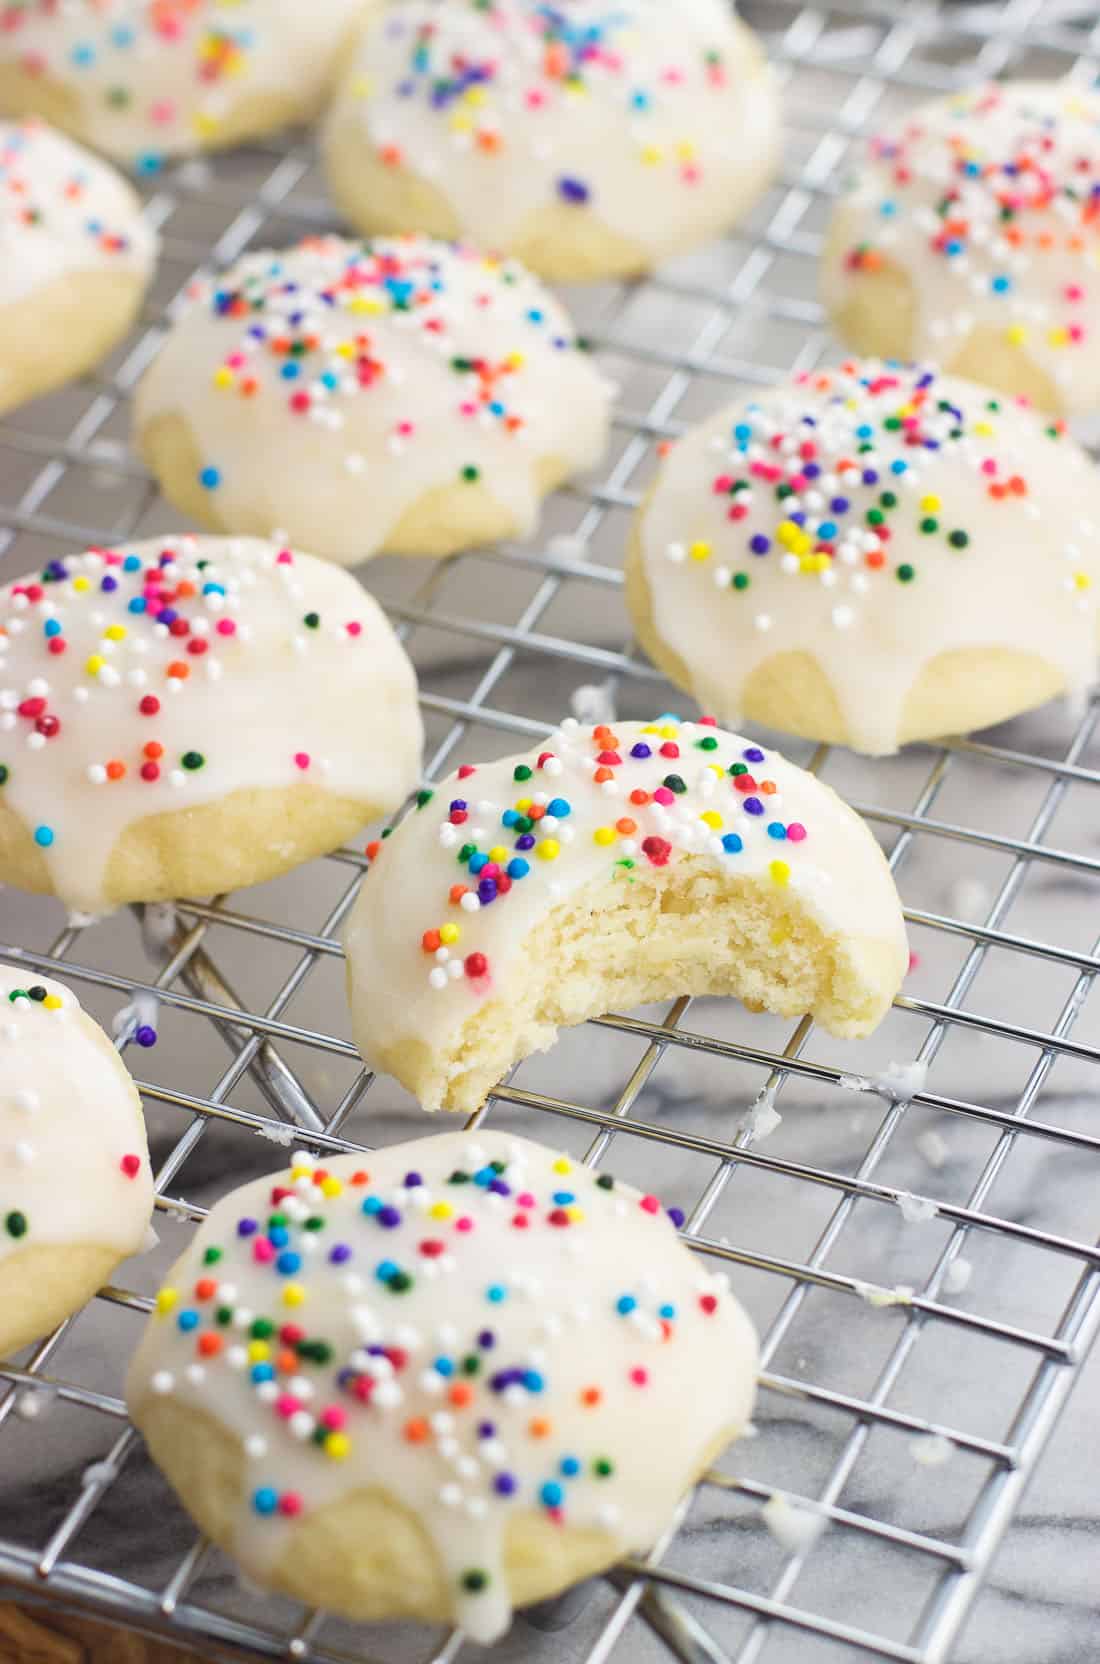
x,y
75,260
971,238
603,871
143,80
75,1187
401,395
871,555
589,140
187,715
439,1380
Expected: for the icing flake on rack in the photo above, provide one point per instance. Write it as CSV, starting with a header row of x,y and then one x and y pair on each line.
x,y
411,1321
703,792
62,210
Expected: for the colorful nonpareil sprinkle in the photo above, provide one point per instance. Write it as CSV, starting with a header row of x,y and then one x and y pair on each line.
x,y
347,1325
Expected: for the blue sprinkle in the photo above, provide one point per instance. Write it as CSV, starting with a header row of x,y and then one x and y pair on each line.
x,y
287,1264
570,1467
552,1494
132,563
444,1367
372,1204
188,1320
52,627
559,808
265,1500
278,1236
262,1372
496,1292
210,479
43,836
777,831
625,1304
518,868
386,1270
732,844
667,1312
533,1381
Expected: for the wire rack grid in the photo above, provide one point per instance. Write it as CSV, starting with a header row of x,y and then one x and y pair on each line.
x,y
990,842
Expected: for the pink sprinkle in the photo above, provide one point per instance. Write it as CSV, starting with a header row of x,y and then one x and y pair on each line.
x,y
663,795
466,770
290,1503
163,112
989,466
284,558
708,722
263,1251
464,1224
334,1418
406,428
796,832
722,484
131,1166
1074,291
914,961
287,1405
226,627
301,759
468,409
526,1200
640,1377
355,628
650,1204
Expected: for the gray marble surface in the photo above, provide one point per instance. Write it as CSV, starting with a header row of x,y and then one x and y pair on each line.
x,y
1039,1604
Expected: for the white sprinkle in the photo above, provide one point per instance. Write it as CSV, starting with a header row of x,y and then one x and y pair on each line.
x,y
933,1147
931,1450
162,1382
880,1298
277,1135
957,1276
916,1210
762,1119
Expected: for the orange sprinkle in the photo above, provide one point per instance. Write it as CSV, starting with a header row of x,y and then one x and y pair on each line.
x,y
417,1430
205,1288
116,770
461,1394
540,1427
209,1345
601,775
626,827
178,670
430,941
590,1397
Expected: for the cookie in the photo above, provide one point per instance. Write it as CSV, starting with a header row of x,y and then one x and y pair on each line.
x,y
969,237
591,141
144,82
607,870
76,1191
439,1380
76,257
871,555
401,395
188,715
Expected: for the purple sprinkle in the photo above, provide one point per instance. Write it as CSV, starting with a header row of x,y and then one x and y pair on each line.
x,y
486,1340
246,1227
753,754
840,505
486,1429
487,891
412,1180
504,1484
753,806
677,1216
573,190
526,842
109,584
641,751
146,1036
499,1188
389,1217
760,544
340,1254
460,803
870,477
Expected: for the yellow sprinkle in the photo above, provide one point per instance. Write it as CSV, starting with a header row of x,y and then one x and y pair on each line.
x,y
337,1445
563,1165
204,124
716,768
332,1187
258,1351
605,834
223,377
1058,337
1016,335
669,730
80,585
548,850
166,1299
360,87
94,664
449,933
441,1210
293,1294
54,1002
461,123
575,1213
652,155
498,854
1080,579
711,818
115,632
700,551
523,804
930,505
686,151
651,728
475,95
780,872
985,429
345,350
516,360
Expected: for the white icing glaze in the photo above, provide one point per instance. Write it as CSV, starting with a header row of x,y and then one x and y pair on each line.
x,y
932,200
1023,580
74,1169
263,697
658,118
595,1337
421,361
157,78
799,835
63,211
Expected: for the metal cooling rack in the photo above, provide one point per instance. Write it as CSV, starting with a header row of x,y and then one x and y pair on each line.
x,y
503,639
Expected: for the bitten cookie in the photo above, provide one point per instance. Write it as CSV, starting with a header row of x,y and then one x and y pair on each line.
x,y
591,141
439,1380
603,871
75,1187
970,237
76,257
871,555
401,395
144,80
188,715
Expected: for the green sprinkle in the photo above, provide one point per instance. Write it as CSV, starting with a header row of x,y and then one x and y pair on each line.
x,y
709,744
262,1329
928,524
603,1468
400,1282
37,993
674,783
459,1177
738,768
471,473
224,1315
15,1223
211,1256
522,773
959,540
424,798
312,620
5,774
606,1182
475,1582
741,580
906,573
888,500
192,760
